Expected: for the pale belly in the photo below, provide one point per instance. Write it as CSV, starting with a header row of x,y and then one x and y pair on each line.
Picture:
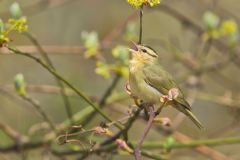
x,y
143,91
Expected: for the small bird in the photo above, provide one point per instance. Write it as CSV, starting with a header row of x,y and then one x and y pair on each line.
x,y
149,81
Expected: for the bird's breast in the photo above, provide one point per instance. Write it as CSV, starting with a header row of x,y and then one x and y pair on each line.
x,y
134,66
141,89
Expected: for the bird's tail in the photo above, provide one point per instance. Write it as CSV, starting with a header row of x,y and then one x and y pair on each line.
x,y
188,113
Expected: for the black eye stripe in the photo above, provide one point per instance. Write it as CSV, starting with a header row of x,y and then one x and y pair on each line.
x,y
150,48
145,51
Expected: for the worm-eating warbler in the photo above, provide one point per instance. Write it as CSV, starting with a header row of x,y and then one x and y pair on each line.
x,y
149,81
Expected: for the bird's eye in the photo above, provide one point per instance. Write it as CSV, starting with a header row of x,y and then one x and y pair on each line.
x,y
144,50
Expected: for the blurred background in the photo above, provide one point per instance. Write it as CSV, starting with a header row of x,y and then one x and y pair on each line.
x,y
205,64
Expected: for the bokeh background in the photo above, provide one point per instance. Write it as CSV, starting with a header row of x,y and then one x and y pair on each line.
x,y
214,95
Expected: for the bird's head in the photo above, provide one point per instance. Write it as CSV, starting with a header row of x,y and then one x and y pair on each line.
x,y
144,54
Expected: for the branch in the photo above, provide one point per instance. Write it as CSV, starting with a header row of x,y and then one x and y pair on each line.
x,y
13,134
218,44
117,30
37,106
50,64
54,73
183,143
102,101
209,152
123,131
205,150
51,49
49,89
193,143
222,100
39,7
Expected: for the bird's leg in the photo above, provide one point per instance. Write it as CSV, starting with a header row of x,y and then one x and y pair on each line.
x,y
172,94
161,107
137,152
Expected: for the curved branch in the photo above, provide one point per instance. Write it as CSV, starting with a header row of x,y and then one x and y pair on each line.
x,y
54,73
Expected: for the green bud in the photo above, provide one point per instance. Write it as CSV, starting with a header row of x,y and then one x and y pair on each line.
x,y
102,69
15,10
20,84
210,20
91,43
170,141
90,39
1,26
121,53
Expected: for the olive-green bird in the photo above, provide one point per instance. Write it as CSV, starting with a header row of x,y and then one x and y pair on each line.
x,y
149,81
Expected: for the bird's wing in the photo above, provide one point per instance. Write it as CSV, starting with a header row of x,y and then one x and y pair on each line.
x,y
161,80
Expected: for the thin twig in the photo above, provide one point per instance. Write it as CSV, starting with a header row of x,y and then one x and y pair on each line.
x,y
123,131
116,32
202,149
49,62
140,24
39,6
50,49
218,44
109,90
40,111
54,73
13,134
102,101
137,152
152,115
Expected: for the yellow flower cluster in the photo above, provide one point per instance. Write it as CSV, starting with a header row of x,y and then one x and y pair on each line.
x,y
227,29
19,25
139,3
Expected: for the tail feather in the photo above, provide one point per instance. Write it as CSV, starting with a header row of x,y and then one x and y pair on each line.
x,y
194,119
188,113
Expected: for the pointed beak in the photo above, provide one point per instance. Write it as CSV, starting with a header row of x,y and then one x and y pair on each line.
x,y
132,51
135,44
135,50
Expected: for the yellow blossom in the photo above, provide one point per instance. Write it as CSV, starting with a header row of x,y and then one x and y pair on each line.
x,y
229,27
139,3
